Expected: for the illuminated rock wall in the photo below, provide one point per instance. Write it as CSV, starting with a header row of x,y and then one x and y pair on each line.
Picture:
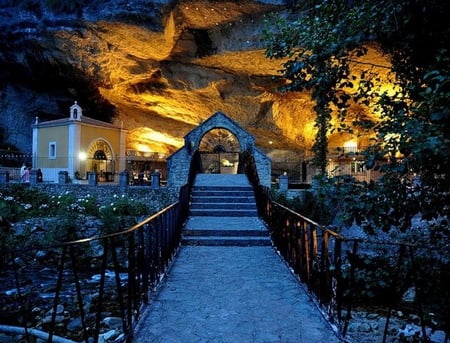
x,y
160,70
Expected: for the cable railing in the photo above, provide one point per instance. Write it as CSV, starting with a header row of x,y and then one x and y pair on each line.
x,y
341,272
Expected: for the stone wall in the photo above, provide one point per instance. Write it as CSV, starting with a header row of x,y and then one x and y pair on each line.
x,y
263,167
178,166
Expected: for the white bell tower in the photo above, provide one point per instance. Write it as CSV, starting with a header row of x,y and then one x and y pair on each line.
x,y
75,112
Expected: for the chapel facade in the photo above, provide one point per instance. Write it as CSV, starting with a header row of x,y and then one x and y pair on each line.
x,y
77,145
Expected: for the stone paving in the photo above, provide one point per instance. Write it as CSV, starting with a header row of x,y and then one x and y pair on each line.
x,y
221,294
232,294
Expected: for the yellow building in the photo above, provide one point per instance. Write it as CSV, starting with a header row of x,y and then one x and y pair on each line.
x,y
78,145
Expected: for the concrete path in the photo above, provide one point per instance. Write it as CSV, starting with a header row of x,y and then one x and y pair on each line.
x,y
232,294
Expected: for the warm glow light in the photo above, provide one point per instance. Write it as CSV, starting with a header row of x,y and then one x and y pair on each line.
x,y
143,148
351,144
82,156
161,137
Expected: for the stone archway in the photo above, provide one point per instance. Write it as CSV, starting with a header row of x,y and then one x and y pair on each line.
x,y
219,151
179,163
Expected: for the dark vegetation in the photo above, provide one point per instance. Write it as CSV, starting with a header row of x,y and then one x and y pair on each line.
x,y
410,146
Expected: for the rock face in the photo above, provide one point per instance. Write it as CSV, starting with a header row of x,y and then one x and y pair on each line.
x,y
158,67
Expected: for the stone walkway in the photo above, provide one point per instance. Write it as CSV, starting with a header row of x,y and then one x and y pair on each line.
x,y
232,294
221,294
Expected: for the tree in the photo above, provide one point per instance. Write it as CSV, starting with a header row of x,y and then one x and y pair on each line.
x,y
411,144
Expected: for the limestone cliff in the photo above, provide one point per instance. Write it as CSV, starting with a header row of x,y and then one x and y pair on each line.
x,y
160,67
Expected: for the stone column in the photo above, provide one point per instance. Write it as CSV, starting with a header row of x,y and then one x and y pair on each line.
x,y
63,177
124,179
33,177
4,177
92,178
284,183
156,176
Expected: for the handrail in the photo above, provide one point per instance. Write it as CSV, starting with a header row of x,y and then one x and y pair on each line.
x,y
115,234
310,221
328,262
150,246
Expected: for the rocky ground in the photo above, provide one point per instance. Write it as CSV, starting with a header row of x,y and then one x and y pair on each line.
x,y
37,276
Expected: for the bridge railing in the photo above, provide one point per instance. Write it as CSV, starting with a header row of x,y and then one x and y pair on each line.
x,y
341,272
124,282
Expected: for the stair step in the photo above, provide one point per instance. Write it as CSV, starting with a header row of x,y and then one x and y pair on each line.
x,y
223,187
222,199
223,206
223,193
215,196
222,213
226,241
225,233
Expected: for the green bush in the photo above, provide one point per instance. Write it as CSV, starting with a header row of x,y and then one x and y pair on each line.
x,y
19,202
121,213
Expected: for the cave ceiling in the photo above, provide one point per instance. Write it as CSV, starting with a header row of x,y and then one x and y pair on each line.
x,y
208,56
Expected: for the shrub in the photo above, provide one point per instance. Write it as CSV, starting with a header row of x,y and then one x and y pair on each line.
x,y
121,213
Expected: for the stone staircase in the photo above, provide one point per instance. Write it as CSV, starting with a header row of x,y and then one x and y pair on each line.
x,y
223,212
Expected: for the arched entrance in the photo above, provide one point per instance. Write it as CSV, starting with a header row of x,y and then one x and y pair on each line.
x,y
219,150
218,135
101,160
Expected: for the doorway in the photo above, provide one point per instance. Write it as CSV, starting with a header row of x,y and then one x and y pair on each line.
x,y
219,151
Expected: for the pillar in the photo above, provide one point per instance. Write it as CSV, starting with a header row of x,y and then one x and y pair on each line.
x,y
4,177
156,176
63,177
124,179
92,178
284,183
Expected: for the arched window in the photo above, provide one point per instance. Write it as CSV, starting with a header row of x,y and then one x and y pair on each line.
x,y
219,148
99,155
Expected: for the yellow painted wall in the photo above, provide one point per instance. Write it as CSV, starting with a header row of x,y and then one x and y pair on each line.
x,y
89,134
58,134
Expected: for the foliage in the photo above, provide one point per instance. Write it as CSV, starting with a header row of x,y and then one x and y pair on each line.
x,y
411,144
319,53
69,203
19,202
121,213
379,277
322,203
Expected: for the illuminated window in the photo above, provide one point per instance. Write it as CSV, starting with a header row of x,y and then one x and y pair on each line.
x,y
52,150
357,167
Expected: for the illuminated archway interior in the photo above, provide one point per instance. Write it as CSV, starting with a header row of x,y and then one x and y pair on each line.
x,y
219,149
100,157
